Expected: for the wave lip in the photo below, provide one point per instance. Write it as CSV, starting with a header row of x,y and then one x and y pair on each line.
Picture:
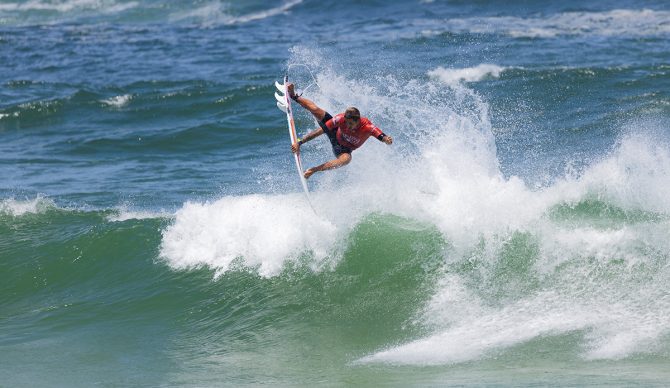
x,y
125,214
468,74
264,231
14,114
118,101
17,208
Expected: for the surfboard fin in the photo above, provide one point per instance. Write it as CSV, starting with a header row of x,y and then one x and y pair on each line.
x,y
280,87
281,99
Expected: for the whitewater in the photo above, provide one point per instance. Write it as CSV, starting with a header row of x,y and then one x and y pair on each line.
x,y
447,176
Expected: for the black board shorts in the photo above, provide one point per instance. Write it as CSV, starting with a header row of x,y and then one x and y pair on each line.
x,y
338,149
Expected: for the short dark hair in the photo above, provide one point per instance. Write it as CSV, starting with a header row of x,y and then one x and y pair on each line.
x,y
352,113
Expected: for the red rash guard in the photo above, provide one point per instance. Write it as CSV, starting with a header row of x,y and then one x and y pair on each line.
x,y
352,139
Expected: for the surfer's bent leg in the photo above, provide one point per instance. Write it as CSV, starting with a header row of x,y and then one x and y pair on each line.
x,y
342,160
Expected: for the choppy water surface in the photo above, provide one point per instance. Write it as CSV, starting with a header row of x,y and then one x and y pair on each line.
x,y
153,231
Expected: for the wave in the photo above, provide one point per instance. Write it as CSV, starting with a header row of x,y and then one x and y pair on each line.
x,y
17,208
567,268
153,96
207,13
118,101
105,6
215,234
48,12
13,114
42,205
265,231
219,13
32,112
39,111
521,264
619,22
469,74
124,213
613,330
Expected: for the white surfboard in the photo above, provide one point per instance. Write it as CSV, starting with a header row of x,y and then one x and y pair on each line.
x,y
284,103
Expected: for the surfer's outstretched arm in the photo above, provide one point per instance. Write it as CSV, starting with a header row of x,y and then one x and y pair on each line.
x,y
342,160
315,133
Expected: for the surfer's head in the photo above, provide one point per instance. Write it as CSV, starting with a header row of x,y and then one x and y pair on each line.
x,y
352,116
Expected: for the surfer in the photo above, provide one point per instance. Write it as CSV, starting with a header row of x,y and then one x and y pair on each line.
x,y
346,131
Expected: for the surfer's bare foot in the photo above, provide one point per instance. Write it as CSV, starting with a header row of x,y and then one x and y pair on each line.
x,y
290,88
309,172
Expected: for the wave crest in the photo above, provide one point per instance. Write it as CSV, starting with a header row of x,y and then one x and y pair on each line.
x,y
262,230
469,74
619,22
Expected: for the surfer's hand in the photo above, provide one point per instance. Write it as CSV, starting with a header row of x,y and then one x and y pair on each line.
x,y
388,140
309,172
295,147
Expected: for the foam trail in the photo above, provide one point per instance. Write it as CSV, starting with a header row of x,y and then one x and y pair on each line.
x,y
615,331
617,325
472,339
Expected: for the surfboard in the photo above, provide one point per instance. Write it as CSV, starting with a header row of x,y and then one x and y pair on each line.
x,y
284,104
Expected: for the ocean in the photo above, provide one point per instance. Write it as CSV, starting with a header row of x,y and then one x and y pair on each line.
x,y
154,232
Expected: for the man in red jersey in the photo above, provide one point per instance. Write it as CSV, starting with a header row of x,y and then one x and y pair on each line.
x,y
346,131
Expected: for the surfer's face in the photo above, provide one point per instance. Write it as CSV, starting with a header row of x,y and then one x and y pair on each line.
x,y
352,123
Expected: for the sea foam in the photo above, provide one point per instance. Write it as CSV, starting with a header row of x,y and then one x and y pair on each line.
x,y
17,208
586,271
118,101
262,230
469,74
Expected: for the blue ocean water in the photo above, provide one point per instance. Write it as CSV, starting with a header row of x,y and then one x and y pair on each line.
x,y
153,231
